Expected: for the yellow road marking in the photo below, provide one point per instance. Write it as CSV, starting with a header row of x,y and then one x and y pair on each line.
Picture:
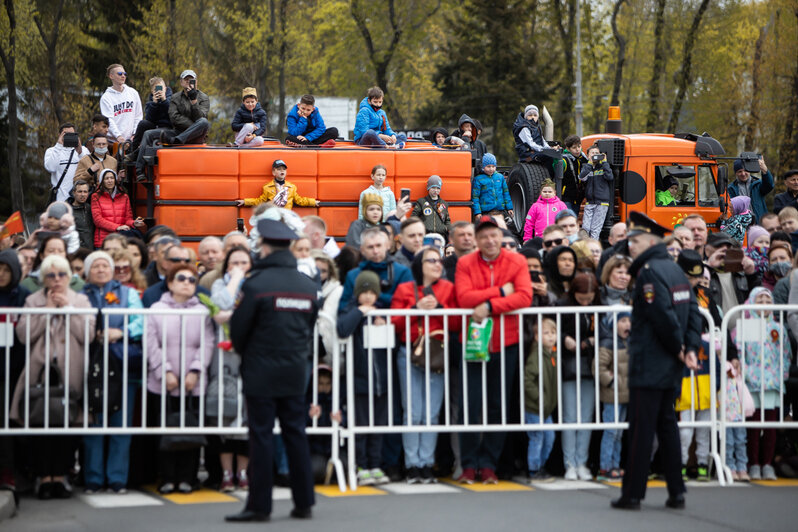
x,y
333,491
200,496
503,485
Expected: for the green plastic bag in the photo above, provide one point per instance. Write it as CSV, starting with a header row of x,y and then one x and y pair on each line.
x,y
478,342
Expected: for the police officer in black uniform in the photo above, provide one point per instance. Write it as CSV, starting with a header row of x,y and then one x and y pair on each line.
x,y
272,329
666,334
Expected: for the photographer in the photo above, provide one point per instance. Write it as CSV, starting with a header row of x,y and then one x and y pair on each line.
x,y
156,120
598,179
62,159
188,112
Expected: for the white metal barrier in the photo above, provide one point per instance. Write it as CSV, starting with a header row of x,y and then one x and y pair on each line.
x,y
752,327
447,424
74,410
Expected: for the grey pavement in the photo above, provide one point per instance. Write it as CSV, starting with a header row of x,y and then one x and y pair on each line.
x,y
743,508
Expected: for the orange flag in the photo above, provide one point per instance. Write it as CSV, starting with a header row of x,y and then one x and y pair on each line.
x,y
13,225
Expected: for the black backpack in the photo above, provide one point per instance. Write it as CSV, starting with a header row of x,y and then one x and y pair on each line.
x,y
95,382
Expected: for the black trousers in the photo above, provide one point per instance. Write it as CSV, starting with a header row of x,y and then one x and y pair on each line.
x,y
143,127
330,133
292,412
53,455
651,411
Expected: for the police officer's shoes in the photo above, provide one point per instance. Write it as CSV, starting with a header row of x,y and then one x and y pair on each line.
x,y
677,503
625,504
301,513
246,516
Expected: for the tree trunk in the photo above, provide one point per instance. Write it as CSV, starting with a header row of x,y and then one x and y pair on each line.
x,y
281,75
8,57
562,121
752,126
171,51
51,45
657,67
687,65
621,57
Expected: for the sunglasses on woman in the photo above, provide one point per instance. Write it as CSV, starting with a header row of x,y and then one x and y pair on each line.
x,y
59,275
122,269
181,278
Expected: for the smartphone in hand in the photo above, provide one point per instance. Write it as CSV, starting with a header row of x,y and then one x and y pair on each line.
x,y
405,193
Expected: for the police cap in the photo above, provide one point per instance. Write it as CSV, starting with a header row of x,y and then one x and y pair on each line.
x,y
690,262
638,223
275,230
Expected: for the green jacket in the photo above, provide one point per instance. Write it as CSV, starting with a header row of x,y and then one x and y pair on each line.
x,y
532,383
665,199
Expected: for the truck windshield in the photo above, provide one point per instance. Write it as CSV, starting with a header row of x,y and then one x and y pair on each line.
x,y
682,190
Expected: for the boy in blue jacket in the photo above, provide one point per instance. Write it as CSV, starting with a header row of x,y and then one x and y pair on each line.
x,y
489,193
306,126
371,125
250,120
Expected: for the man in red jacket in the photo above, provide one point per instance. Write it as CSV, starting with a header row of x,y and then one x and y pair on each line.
x,y
492,281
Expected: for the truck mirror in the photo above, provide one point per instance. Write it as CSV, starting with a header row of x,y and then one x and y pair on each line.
x,y
750,162
722,179
722,205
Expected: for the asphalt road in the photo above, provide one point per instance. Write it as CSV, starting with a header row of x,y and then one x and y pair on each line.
x,y
510,506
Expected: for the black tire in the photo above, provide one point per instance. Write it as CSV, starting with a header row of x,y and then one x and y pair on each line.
x,y
524,183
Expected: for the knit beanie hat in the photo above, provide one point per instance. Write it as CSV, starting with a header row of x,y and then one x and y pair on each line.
x,y
371,199
249,91
754,232
564,214
488,159
367,281
434,181
95,255
738,165
57,209
531,108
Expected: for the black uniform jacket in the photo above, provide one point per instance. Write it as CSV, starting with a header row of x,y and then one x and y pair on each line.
x,y
665,317
272,327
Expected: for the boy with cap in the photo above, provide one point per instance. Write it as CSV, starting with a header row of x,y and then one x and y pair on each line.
x,y
433,210
489,192
306,126
279,191
351,321
250,120
754,188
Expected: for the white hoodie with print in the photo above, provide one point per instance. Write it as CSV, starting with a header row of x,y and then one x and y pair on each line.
x,y
123,110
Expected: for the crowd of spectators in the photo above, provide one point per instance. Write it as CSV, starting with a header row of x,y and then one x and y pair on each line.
x,y
91,252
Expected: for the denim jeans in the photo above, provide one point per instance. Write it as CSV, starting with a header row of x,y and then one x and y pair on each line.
x,y
576,443
113,468
611,439
540,442
419,446
736,451
372,138
195,132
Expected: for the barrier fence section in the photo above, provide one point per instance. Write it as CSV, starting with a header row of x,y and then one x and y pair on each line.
x,y
760,333
462,381
53,402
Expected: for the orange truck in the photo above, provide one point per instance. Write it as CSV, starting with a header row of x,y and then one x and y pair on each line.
x,y
194,188
640,163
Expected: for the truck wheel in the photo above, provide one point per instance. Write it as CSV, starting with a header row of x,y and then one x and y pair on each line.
x,y
524,183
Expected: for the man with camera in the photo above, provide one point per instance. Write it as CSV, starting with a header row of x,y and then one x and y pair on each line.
x,y
598,178
188,112
61,161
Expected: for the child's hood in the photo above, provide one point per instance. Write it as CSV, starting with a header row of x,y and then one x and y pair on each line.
x,y
464,118
549,201
741,204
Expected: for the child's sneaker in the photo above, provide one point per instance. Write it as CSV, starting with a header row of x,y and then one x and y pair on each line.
x,y
571,474
427,476
468,476
768,473
243,480
413,476
584,473
227,482
488,476
364,477
605,475
328,144
754,472
685,478
703,473
379,476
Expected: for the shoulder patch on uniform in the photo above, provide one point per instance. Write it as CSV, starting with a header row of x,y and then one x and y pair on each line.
x,y
680,294
648,292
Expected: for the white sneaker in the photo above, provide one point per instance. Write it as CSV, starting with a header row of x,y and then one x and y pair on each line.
x,y
364,477
584,473
754,472
768,473
571,474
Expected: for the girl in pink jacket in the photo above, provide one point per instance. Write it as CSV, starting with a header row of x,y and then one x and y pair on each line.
x,y
541,214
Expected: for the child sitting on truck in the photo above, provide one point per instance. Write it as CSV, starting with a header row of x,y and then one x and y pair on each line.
x,y
371,125
433,210
279,191
530,144
599,191
250,121
666,196
306,126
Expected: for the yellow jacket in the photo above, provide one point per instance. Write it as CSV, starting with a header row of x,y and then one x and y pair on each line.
x,y
270,191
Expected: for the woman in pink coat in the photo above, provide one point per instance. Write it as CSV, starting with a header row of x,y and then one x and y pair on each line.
x,y
541,214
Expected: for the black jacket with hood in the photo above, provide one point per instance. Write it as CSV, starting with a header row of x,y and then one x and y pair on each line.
x,y
84,223
553,277
12,295
478,148
523,149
